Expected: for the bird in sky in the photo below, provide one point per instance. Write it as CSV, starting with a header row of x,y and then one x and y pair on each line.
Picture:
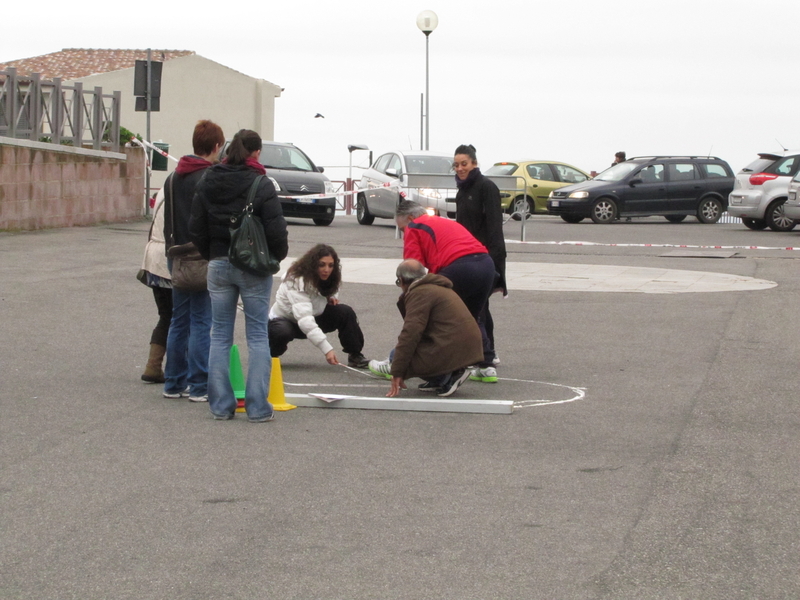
x,y
319,116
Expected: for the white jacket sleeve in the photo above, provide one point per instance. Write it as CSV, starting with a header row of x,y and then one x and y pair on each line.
x,y
294,303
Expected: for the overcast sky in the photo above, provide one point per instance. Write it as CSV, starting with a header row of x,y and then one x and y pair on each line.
x,y
570,80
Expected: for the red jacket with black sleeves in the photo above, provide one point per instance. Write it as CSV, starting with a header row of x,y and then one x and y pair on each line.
x,y
436,242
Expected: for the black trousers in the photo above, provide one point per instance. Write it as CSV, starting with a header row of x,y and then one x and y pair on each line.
x,y
473,278
163,298
339,318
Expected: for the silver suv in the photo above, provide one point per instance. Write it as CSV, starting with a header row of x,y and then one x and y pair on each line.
x,y
760,191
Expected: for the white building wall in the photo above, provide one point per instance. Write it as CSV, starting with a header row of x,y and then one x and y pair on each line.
x,y
194,88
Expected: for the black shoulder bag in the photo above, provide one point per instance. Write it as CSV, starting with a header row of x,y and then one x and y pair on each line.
x,y
248,250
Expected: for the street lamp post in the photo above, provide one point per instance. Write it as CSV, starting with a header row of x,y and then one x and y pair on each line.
x,y
427,22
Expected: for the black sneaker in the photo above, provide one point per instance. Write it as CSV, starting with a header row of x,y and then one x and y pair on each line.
x,y
357,361
456,379
428,386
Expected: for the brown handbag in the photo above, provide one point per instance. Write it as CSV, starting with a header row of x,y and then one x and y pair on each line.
x,y
189,268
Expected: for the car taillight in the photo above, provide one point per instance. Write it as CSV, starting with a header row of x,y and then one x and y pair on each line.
x,y
760,178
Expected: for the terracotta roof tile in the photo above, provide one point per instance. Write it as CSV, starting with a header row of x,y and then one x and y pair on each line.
x,y
75,63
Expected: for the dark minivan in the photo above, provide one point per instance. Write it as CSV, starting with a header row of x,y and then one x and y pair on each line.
x,y
671,186
298,181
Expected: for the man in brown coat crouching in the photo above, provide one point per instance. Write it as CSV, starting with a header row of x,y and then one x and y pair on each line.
x,y
440,338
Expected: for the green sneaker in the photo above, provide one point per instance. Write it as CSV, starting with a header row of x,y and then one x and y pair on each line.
x,y
484,374
381,368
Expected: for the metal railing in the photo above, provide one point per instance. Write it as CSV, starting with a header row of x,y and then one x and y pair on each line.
x,y
42,110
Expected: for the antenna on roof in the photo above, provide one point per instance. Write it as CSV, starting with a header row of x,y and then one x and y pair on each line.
x,y
709,150
781,145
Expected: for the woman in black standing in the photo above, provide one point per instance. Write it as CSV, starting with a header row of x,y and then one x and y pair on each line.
x,y
478,210
218,203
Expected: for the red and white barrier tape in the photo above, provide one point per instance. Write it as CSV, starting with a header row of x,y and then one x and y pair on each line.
x,y
655,245
145,143
332,194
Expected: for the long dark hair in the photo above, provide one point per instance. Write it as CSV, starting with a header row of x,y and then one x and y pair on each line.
x,y
467,149
245,142
307,267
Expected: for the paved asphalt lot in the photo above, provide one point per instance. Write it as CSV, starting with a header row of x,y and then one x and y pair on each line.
x,y
673,474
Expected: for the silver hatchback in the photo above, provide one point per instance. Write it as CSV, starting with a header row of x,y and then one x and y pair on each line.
x,y
386,181
760,191
791,207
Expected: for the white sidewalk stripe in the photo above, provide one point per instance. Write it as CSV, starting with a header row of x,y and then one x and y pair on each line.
x,y
573,277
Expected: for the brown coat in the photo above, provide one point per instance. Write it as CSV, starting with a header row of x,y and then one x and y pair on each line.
x,y
439,334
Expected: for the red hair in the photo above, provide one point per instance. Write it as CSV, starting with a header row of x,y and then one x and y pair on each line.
x,y
207,135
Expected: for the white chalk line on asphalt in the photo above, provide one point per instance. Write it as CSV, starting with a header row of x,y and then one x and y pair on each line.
x,y
580,392
624,245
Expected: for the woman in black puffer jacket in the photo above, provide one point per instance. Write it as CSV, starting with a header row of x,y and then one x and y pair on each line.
x,y
219,200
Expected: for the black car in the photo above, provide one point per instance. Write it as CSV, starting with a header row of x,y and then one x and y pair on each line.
x,y
295,176
672,186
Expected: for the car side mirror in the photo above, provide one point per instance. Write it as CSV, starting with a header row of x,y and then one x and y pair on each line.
x,y
634,181
392,173
320,169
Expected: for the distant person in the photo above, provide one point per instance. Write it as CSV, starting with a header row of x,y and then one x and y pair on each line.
x,y
220,200
155,275
439,338
190,329
447,248
619,157
478,210
307,307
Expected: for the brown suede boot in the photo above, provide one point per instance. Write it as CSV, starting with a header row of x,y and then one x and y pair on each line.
x,y
153,373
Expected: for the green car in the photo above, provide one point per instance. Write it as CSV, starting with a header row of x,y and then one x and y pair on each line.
x,y
541,178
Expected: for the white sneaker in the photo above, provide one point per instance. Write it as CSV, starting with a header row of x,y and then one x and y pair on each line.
x,y
484,374
496,360
198,398
381,368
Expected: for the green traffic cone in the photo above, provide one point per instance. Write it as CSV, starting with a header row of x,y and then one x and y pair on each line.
x,y
237,375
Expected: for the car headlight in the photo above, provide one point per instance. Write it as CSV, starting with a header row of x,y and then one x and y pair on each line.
x,y
329,189
429,193
276,184
579,195
551,195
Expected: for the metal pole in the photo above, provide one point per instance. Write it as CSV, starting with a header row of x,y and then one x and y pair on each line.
x,y
422,121
427,96
147,162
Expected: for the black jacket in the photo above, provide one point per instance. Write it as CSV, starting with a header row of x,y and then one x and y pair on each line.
x,y
478,210
219,201
183,187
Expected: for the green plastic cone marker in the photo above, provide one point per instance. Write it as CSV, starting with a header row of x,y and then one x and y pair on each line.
x,y
237,378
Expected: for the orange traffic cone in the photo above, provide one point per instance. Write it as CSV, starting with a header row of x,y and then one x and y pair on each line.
x,y
237,378
277,396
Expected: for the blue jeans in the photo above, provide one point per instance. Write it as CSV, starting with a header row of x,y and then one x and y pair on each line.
x,y
225,284
187,343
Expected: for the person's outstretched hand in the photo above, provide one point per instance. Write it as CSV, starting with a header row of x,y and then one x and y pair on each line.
x,y
331,358
397,385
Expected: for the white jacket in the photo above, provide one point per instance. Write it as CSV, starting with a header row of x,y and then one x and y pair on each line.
x,y
294,303
155,257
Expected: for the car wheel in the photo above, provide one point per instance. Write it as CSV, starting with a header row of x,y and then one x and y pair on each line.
x,y
776,218
674,218
322,222
754,224
571,218
709,211
604,210
521,204
363,215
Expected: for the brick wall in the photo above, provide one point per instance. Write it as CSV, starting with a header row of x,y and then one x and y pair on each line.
x,y
46,185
